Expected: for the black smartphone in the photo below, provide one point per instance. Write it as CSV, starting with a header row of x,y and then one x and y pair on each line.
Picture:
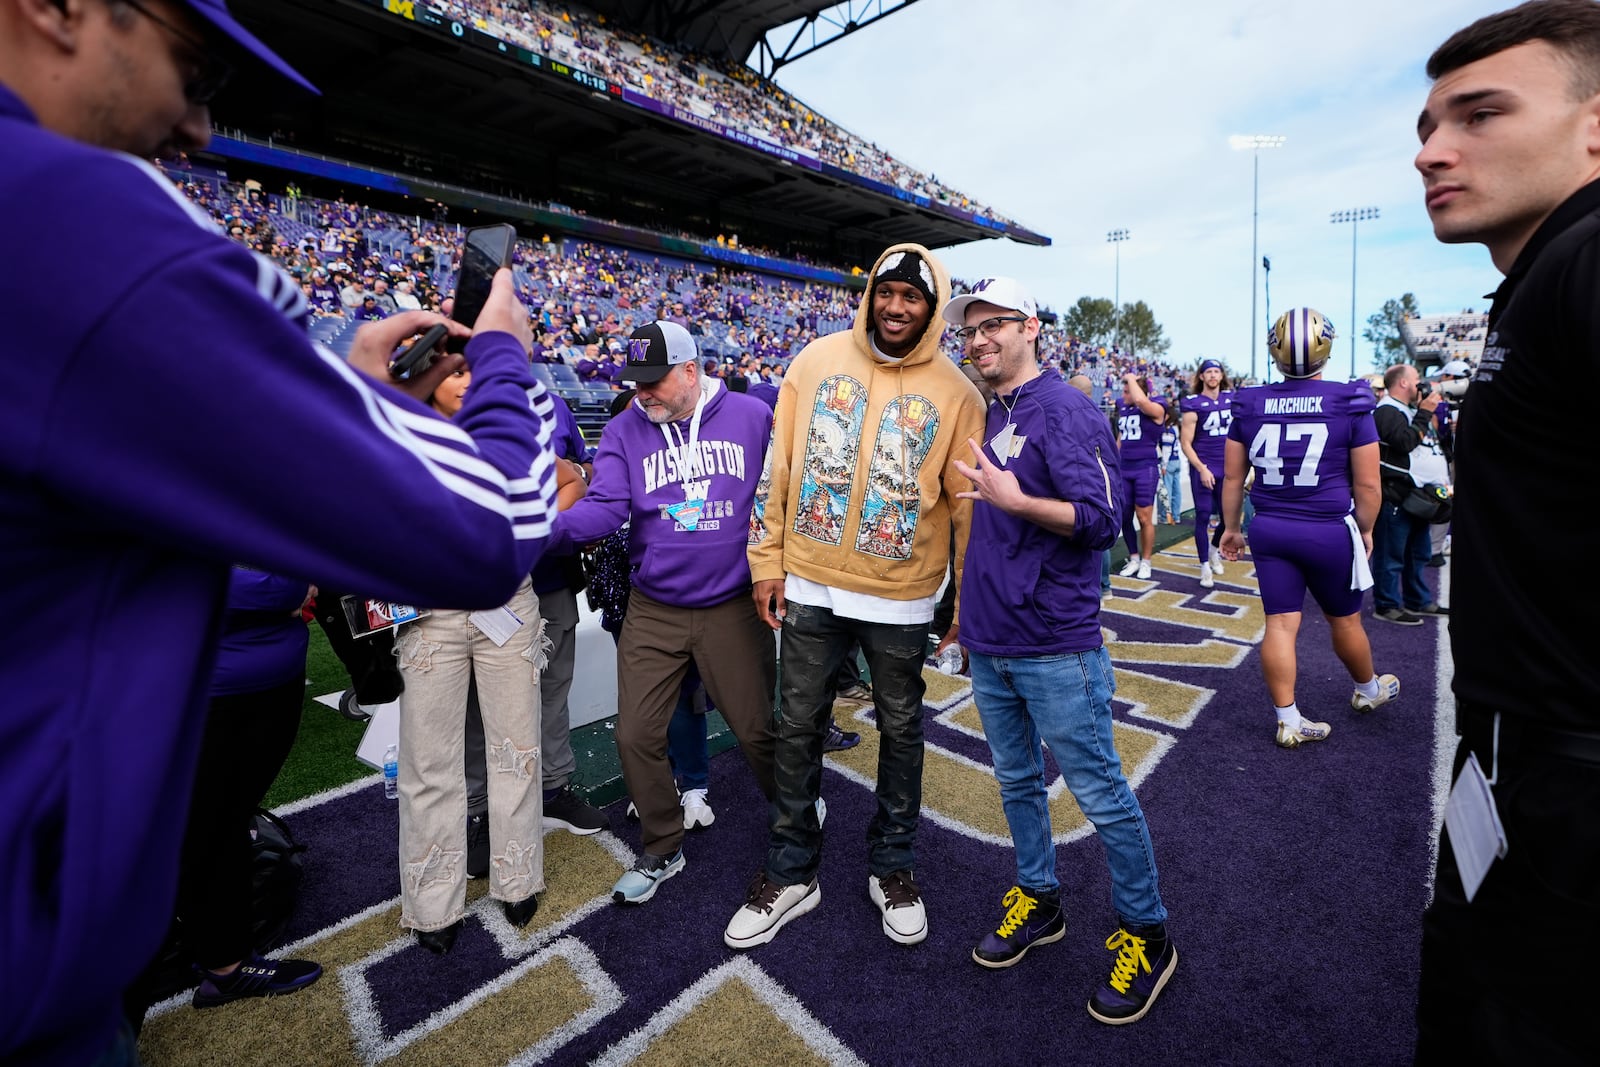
x,y
410,362
485,250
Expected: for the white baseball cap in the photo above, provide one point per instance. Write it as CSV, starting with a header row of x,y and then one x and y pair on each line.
x,y
1001,292
1456,368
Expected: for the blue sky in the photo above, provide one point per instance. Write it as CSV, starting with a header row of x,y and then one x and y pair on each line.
x,y
1077,118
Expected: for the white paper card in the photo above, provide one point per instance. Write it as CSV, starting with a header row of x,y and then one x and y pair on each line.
x,y
1476,834
383,730
497,625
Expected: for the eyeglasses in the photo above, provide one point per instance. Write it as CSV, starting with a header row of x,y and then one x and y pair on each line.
x,y
988,327
212,73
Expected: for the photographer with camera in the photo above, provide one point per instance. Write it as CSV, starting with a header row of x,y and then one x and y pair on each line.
x,y
1401,545
1450,382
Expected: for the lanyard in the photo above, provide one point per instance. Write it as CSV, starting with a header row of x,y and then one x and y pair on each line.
x,y
687,470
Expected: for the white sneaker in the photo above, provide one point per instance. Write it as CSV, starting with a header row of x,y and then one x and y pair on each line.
x,y
767,907
905,919
1308,731
1144,568
1388,689
697,813
1130,568
1205,576
1216,566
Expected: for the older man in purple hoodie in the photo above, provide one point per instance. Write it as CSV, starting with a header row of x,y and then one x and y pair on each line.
x,y
679,467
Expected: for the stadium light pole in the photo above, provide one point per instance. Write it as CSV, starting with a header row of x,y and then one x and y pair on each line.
x,y
1353,216
1255,142
1115,238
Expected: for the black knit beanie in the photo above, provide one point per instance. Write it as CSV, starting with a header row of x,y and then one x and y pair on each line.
x,y
912,269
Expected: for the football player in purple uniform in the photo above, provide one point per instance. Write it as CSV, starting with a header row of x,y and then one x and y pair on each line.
x,y
1139,421
1314,449
1203,435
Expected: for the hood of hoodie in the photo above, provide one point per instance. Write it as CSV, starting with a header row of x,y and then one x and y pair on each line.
x,y
928,346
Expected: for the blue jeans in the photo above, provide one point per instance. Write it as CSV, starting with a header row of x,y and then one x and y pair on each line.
x,y
1065,701
687,749
814,642
1401,548
1172,478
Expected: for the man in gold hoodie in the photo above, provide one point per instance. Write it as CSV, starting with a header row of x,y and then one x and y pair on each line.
x,y
861,513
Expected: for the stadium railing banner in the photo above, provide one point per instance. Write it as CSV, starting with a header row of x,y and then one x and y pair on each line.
x,y
422,15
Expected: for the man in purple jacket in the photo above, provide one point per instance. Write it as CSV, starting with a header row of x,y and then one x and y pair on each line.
x,y
680,467
132,480
1045,487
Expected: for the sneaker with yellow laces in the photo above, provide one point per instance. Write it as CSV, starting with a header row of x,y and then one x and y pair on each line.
x,y
1145,962
1032,918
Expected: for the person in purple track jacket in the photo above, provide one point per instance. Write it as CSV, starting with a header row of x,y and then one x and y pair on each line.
x,y
132,479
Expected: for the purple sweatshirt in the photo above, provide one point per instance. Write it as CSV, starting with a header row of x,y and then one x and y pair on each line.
x,y
638,474
1030,591
178,418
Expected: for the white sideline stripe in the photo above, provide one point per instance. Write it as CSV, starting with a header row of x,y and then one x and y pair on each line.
x,y
818,1038
1444,733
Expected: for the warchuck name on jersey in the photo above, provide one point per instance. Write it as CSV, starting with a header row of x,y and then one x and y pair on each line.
x,y
1298,436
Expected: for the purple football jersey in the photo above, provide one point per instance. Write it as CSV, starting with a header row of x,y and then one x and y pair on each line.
x,y
1140,436
1298,435
1212,419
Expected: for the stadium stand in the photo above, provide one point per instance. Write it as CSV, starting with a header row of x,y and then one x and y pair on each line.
x,y
1433,340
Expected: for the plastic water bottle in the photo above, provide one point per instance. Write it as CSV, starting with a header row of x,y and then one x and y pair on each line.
x,y
391,772
949,661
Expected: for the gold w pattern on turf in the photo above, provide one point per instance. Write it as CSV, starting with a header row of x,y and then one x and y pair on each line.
x,y
318,1026
962,794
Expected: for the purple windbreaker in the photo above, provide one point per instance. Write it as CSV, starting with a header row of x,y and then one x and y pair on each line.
x,y
1030,591
178,418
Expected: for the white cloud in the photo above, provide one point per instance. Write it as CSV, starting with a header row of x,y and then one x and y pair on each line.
x,y
1077,118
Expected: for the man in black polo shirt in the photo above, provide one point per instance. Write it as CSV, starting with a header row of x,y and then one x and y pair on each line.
x,y
1510,153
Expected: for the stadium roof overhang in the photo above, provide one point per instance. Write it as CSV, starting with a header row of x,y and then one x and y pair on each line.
x,y
450,107
737,30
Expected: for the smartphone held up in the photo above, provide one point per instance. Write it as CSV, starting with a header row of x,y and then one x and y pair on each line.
x,y
485,250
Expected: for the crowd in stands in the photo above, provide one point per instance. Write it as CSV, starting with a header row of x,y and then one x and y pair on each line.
x,y
1458,336
711,88
357,264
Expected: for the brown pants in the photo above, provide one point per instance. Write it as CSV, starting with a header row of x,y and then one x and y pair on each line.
x,y
737,658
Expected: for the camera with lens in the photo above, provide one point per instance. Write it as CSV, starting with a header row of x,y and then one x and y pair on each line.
x,y
1424,390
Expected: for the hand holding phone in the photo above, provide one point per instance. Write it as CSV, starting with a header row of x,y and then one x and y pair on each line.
x,y
411,362
485,251
505,313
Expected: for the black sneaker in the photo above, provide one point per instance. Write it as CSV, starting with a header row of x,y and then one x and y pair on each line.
x,y
566,810
1145,961
837,740
1431,609
1029,921
1437,560
477,846
1398,617
255,977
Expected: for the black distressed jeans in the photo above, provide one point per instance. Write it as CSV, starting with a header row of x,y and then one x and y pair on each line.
x,y
814,643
